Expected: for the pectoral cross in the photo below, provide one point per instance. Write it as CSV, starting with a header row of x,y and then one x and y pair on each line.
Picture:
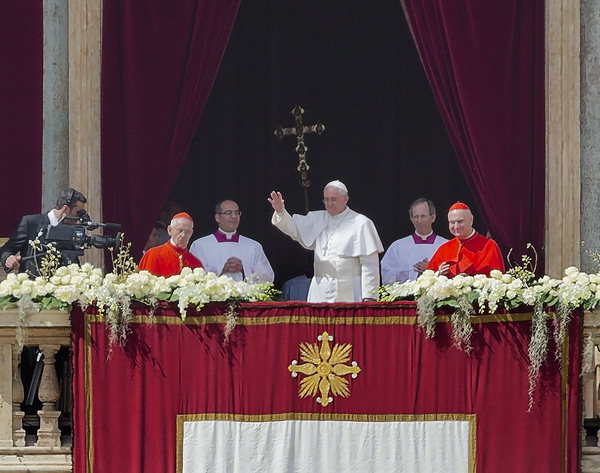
x,y
300,130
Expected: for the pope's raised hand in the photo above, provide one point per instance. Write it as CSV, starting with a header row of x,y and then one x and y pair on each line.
x,y
276,201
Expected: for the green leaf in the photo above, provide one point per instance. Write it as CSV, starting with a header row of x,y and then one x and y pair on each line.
x,y
52,303
448,303
7,302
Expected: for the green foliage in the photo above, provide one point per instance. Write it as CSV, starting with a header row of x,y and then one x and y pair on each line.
x,y
123,263
526,270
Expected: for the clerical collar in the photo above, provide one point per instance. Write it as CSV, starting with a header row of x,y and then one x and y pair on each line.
x,y
471,235
227,237
424,239
341,215
175,248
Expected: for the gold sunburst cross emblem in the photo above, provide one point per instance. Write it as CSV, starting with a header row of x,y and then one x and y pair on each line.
x,y
324,369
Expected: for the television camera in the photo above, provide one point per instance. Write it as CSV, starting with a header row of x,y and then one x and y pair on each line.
x,y
75,239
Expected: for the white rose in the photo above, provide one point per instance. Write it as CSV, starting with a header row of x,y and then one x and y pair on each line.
x,y
571,270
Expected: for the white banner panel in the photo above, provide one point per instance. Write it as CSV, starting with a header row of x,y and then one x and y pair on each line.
x,y
327,446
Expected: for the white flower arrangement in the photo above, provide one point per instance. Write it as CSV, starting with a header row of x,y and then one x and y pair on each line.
x,y
575,289
470,294
86,285
113,293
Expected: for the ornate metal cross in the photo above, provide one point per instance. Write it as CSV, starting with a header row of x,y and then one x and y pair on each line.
x,y
300,130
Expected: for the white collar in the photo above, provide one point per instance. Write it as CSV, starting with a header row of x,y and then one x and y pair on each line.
x,y
470,235
424,237
341,215
229,235
54,221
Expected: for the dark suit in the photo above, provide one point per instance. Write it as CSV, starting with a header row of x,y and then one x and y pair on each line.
x,y
30,228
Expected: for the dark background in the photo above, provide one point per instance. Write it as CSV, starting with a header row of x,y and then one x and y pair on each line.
x,y
350,64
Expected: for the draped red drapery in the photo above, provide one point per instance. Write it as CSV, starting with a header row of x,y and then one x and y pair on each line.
x,y
21,53
128,396
485,64
159,62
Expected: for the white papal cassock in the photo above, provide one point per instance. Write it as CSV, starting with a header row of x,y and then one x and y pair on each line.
x,y
399,259
214,250
346,247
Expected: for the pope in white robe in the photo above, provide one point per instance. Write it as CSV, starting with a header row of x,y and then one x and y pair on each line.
x,y
228,253
345,244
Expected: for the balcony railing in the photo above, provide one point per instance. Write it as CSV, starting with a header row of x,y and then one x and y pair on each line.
x,y
32,440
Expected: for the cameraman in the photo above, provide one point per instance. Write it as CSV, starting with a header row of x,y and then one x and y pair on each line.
x,y
70,206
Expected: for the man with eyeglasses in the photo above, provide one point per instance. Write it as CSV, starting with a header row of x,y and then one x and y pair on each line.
x,y
70,207
226,252
346,246
408,257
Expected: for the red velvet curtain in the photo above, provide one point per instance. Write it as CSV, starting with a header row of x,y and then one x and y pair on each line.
x,y
159,62
21,53
485,64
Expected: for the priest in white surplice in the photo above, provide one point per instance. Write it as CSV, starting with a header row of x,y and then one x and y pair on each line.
x,y
346,246
228,253
408,257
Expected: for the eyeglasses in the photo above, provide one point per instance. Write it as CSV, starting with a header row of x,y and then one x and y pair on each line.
x,y
330,199
230,213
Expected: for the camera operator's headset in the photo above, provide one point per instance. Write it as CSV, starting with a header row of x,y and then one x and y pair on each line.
x,y
70,202
70,197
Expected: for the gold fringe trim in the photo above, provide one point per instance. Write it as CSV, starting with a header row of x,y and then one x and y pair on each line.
x,y
312,320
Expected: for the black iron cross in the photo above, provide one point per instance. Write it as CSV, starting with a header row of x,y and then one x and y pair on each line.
x,y
300,130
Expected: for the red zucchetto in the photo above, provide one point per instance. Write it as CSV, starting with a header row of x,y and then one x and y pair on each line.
x,y
459,206
182,215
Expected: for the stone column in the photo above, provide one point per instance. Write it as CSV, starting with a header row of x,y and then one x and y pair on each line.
x,y
71,105
85,28
49,393
18,394
55,128
6,367
562,233
590,132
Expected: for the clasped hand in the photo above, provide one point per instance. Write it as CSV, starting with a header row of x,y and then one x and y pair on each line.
x,y
233,265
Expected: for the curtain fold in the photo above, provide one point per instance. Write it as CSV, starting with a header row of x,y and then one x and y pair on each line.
x,y
159,62
485,64
21,78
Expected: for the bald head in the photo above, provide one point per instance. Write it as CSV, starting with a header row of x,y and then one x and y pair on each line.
x,y
460,223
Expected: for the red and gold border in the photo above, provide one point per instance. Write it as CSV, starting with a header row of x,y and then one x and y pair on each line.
x,y
294,318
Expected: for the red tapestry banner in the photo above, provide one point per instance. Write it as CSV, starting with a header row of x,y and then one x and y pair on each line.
x,y
365,366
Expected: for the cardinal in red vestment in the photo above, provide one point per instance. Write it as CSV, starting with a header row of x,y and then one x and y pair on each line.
x,y
170,258
468,252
